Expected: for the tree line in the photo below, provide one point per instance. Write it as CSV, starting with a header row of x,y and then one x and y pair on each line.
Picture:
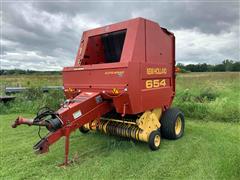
x,y
29,72
226,65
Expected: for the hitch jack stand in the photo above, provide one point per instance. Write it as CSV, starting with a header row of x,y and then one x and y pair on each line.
x,y
67,144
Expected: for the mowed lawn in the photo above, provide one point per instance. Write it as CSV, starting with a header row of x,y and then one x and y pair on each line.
x,y
208,150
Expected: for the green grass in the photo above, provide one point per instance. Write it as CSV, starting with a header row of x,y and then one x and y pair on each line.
x,y
32,100
206,96
208,150
209,96
30,80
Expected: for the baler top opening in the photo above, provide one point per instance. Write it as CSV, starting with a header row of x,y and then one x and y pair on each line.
x,y
104,48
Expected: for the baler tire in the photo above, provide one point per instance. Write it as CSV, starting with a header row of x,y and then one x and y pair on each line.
x,y
169,123
83,130
153,145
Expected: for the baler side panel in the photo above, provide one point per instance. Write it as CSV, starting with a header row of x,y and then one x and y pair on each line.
x,y
157,79
137,55
135,103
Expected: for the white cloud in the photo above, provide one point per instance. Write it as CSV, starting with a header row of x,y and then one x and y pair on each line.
x,y
82,22
193,46
56,22
45,36
50,22
5,42
146,13
29,60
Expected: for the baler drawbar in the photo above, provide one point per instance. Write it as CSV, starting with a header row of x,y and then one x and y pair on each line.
x,y
122,84
67,119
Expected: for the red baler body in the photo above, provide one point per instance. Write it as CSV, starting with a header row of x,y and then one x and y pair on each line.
x,y
144,74
127,68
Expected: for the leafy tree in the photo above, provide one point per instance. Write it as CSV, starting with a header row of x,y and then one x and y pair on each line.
x,y
226,65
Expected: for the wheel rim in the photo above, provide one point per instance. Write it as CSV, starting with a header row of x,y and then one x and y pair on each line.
x,y
178,126
157,140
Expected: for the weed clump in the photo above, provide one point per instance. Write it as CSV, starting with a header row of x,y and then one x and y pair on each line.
x,y
208,104
32,100
204,95
207,94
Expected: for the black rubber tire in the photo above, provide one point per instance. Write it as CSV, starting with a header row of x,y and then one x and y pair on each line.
x,y
151,140
168,121
83,130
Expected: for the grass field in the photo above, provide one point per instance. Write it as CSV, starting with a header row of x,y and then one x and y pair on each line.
x,y
209,149
30,80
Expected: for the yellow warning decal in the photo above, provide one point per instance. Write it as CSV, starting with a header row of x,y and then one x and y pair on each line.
x,y
115,91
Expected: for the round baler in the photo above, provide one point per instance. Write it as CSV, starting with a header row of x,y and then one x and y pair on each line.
x,y
122,83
